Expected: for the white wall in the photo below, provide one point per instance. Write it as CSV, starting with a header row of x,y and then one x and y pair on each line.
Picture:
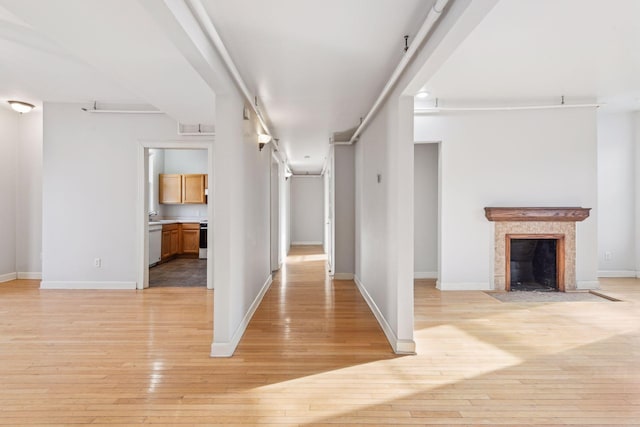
x,y
185,161
29,196
425,196
285,210
307,210
512,158
90,193
384,221
616,198
9,137
344,207
241,231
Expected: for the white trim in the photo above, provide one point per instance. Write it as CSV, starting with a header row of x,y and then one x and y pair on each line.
x,y
464,286
588,284
34,275
425,275
398,346
305,243
617,273
226,349
87,285
343,276
8,277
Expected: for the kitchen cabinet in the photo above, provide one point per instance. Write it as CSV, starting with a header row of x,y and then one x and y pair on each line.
x,y
170,188
180,239
183,188
190,239
170,240
193,186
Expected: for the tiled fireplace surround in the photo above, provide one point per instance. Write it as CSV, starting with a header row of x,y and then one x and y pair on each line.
x,y
531,222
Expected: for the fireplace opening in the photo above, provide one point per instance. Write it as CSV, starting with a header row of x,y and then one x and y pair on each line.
x,y
534,265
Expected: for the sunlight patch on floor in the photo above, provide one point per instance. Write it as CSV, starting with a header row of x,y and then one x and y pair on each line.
x,y
386,380
306,258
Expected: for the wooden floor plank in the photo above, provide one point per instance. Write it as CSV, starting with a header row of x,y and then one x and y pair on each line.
x,y
314,354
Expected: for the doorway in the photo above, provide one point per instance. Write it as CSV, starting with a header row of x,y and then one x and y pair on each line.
x,y
147,214
426,210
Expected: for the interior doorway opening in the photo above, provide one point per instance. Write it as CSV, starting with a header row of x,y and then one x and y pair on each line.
x,y
173,234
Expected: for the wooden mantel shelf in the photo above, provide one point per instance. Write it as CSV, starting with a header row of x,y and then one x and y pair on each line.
x,y
537,214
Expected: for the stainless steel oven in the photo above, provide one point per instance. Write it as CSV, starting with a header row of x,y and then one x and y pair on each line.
x,y
203,239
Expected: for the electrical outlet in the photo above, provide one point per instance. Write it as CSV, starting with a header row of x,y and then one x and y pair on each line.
x,y
97,262
607,256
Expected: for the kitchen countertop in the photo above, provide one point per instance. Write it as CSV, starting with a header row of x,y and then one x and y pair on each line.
x,y
174,221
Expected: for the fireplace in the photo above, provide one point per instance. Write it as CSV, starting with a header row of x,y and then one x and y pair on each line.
x,y
544,240
534,262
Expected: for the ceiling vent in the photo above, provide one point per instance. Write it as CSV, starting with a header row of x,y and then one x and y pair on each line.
x,y
196,130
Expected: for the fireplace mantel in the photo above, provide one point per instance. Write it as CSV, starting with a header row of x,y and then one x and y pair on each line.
x,y
572,214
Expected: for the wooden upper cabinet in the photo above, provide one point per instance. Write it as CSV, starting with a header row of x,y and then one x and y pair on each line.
x,y
183,188
193,186
170,188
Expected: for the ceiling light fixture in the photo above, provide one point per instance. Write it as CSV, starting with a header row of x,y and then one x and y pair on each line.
x,y
21,107
422,94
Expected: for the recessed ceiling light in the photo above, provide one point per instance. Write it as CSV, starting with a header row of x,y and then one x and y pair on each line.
x,y
21,107
307,157
422,94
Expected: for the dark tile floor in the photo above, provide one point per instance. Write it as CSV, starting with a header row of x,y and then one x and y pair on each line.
x,y
180,272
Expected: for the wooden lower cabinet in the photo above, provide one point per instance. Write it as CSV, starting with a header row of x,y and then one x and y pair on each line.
x,y
179,239
190,239
170,240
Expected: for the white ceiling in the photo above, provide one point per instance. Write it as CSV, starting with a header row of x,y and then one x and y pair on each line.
x,y
316,66
543,49
84,50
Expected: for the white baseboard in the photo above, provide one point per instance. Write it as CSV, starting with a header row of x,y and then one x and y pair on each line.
x,y
87,285
617,273
305,243
8,277
34,275
399,346
343,276
464,286
226,349
425,275
588,284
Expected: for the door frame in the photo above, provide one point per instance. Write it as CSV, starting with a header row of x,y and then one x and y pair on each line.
x,y
142,202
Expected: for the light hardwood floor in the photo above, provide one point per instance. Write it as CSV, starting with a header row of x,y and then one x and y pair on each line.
x,y
313,355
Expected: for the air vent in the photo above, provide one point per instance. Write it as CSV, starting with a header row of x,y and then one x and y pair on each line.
x,y
196,129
